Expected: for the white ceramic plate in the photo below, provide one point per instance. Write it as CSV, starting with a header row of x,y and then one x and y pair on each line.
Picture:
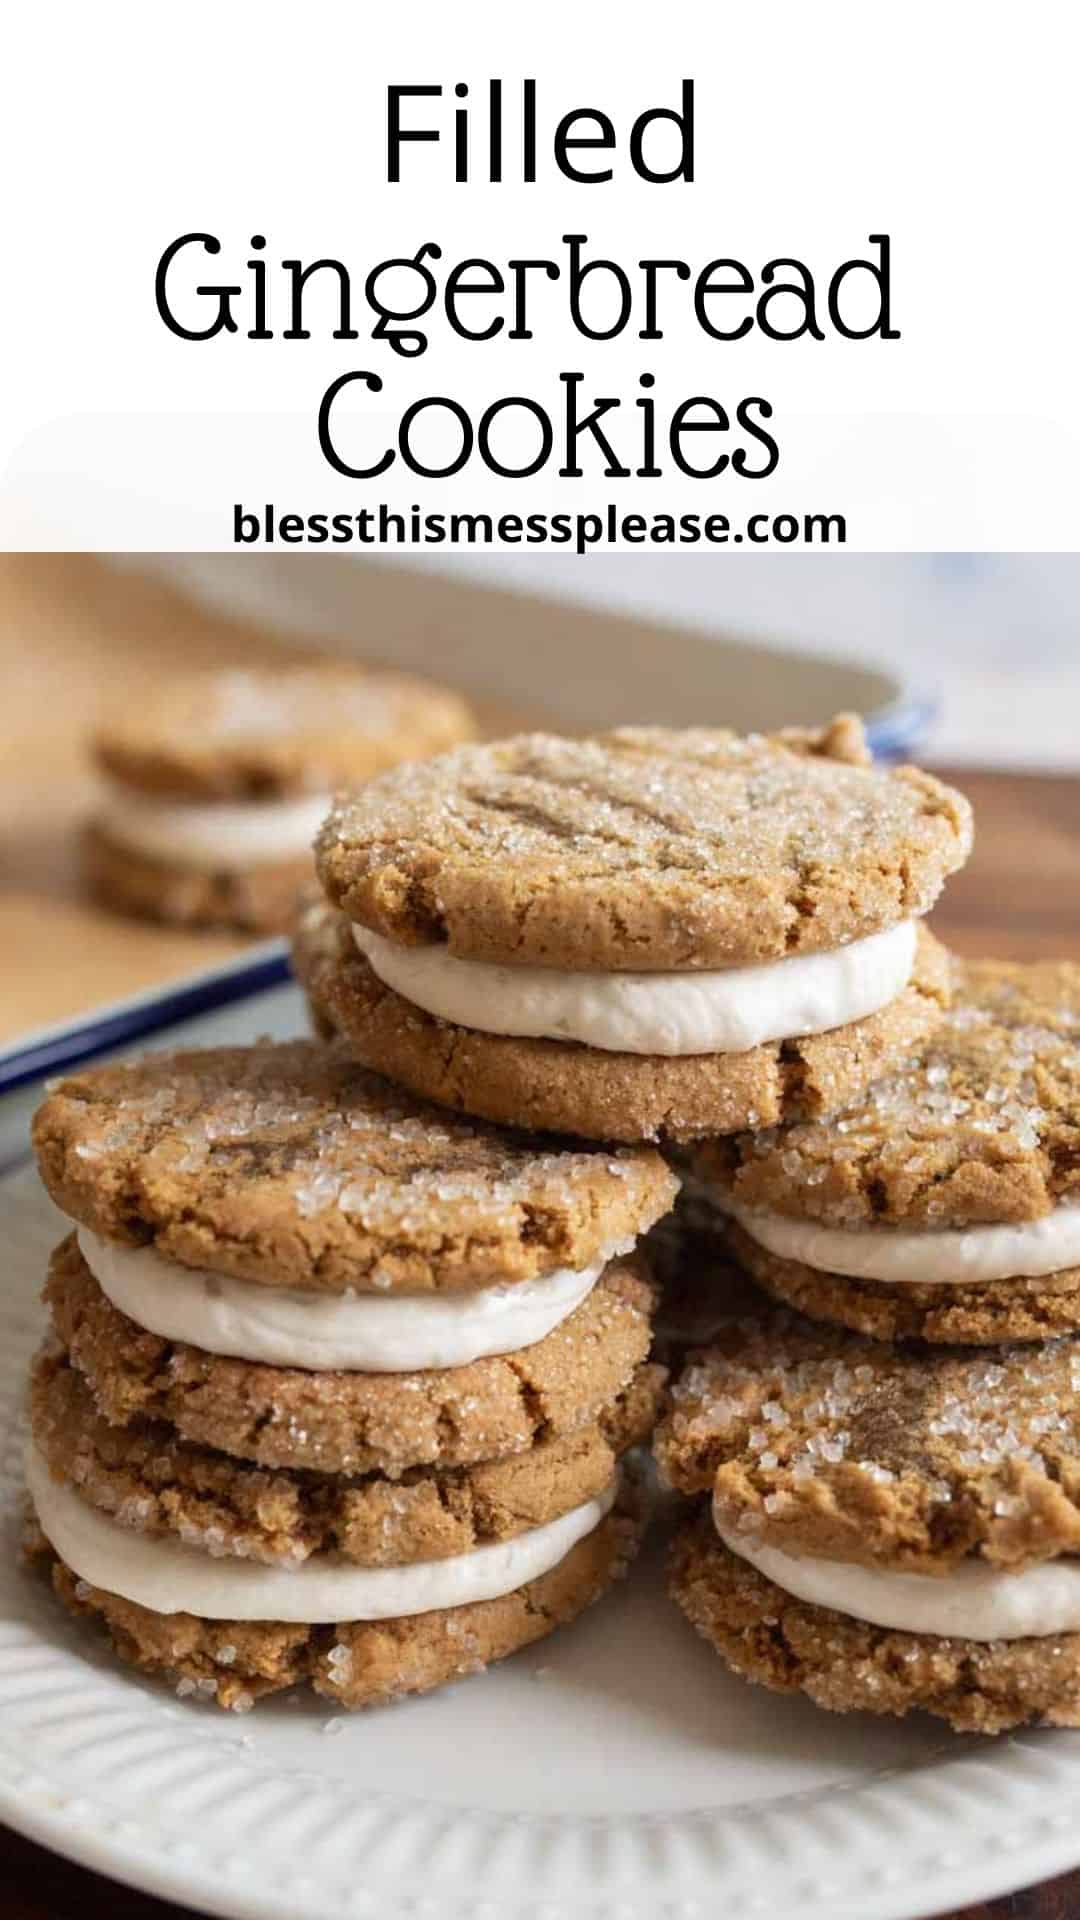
x,y
614,1771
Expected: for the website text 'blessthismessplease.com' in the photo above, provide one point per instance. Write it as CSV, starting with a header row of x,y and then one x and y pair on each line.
x,y
607,526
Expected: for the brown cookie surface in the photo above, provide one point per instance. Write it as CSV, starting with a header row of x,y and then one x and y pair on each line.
x,y
701,1285
564,1087
644,848
847,1665
261,733
257,899
1001,1310
355,1422
359,1664
981,1125
287,1165
149,1479
825,1444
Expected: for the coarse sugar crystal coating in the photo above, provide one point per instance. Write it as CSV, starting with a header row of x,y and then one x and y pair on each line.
x,y
569,1088
980,1126
298,725
846,1665
147,1478
822,1443
352,1664
355,1422
289,1166
645,848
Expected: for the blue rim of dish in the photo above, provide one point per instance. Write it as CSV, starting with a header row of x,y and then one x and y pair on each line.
x,y
900,729
125,1021
893,732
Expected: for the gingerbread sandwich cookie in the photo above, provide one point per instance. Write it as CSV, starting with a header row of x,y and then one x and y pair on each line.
x,y
230,1633
233,1582
945,1203
646,934
214,786
884,1528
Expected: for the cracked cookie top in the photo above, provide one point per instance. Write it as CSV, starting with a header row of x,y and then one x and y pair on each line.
x,y
288,1165
644,849
261,733
822,1442
982,1125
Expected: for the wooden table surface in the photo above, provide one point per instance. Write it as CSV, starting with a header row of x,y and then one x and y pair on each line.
x,y
1018,898
75,633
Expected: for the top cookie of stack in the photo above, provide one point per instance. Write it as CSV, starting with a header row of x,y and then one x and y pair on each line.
x,y
645,934
217,782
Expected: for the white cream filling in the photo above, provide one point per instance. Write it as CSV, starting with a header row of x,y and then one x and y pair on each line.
x,y
974,1602
725,1010
949,1256
170,1577
347,1333
213,837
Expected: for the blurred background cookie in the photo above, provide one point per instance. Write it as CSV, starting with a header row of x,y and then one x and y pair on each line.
x,y
215,786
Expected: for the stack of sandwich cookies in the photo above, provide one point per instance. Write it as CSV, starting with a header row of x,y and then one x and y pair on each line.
x,y
337,1384
944,1204
881,1527
643,935
216,786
